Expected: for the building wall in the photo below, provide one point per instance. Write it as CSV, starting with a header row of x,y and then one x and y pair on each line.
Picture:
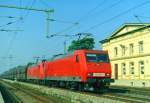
x,y
136,57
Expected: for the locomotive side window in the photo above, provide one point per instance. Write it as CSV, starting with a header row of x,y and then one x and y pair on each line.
x,y
97,57
77,59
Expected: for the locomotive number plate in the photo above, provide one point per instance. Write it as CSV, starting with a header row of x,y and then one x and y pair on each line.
x,y
98,74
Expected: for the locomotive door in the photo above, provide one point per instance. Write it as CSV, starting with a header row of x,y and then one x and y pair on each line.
x,y
116,71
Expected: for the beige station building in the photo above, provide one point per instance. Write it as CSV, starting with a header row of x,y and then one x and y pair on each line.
x,y
129,52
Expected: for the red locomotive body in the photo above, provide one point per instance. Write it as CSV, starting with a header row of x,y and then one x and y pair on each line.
x,y
90,68
35,72
80,66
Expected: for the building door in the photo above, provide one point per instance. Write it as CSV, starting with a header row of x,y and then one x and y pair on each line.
x,y
116,71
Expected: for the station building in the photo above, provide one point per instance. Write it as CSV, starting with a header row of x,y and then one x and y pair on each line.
x,y
129,52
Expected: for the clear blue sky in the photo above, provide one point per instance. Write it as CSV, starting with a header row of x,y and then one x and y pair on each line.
x,y
99,17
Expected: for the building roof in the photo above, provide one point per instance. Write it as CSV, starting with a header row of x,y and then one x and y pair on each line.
x,y
127,28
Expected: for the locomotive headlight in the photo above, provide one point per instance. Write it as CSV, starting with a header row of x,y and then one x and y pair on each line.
x,y
90,74
107,74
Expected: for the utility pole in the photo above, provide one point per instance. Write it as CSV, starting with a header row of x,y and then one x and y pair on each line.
x,y
65,47
47,11
10,60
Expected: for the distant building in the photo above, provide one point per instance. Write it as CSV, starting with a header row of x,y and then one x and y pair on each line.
x,y
129,51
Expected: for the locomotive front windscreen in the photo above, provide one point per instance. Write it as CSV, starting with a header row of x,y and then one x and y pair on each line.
x,y
97,57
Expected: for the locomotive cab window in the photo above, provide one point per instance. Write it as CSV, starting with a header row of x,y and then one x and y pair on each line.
x,y
97,57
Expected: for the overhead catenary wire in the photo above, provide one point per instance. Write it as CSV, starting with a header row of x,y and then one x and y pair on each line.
x,y
141,21
84,18
137,18
120,14
44,3
63,21
22,8
16,32
10,17
13,38
148,17
73,23
9,23
90,12
64,30
29,7
20,3
9,30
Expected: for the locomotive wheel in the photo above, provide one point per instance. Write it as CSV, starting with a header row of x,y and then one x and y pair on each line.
x,y
101,89
81,87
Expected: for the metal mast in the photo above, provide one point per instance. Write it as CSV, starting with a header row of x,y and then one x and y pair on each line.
x,y
47,11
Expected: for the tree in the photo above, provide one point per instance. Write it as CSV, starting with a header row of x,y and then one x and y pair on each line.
x,y
84,43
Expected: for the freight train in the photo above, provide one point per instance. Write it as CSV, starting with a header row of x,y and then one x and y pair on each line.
x,y
83,70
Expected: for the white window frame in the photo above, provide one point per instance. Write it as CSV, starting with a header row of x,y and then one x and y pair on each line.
x,y
115,51
131,68
142,67
123,66
141,47
123,50
131,49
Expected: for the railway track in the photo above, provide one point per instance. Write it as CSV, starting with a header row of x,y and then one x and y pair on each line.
x,y
7,95
133,90
133,95
122,95
24,95
126,98
34,95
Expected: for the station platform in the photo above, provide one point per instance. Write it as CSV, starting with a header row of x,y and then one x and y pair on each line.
x,y
132,83
1,98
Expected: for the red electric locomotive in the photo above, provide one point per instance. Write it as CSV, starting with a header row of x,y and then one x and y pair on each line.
x,y
84,69
35,72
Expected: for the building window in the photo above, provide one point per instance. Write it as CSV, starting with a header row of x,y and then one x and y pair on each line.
x,y
131,46
115,51
141,66
141,48
131,67
123,50
123,68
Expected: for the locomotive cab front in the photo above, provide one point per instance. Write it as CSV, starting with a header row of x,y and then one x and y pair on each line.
x,y
98,65
98,68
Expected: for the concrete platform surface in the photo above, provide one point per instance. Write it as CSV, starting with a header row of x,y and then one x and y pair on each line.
x,y
132,83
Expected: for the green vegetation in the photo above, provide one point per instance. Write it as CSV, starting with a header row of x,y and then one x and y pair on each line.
x,y
84,43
